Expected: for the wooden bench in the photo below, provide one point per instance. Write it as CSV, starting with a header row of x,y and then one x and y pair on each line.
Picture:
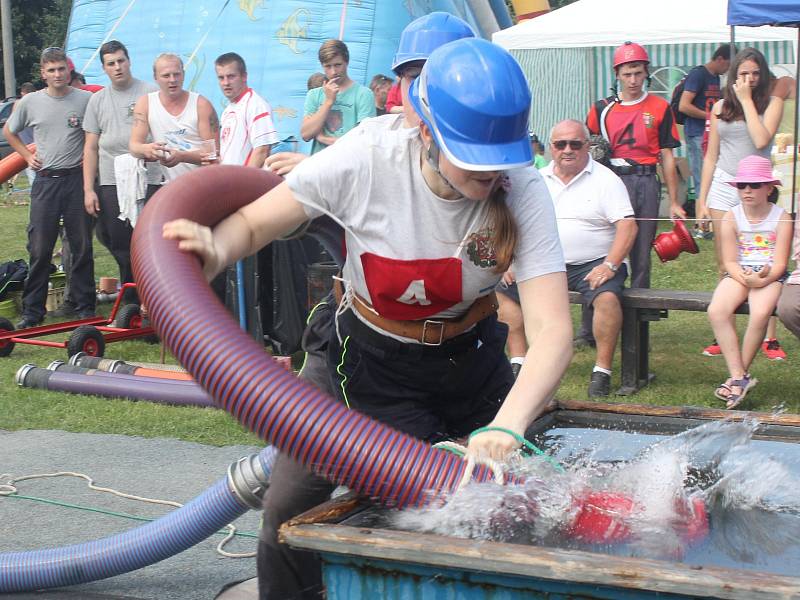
x,y
641,306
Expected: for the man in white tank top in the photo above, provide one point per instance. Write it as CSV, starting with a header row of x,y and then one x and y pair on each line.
x,y
178,120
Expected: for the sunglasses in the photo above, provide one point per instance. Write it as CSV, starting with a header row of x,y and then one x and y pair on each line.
x,y
752,185
573,144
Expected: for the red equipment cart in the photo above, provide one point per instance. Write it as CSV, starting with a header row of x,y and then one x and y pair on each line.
x,y
88,335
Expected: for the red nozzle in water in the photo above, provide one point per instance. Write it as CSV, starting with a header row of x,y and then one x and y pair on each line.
x,y
603,516
670,244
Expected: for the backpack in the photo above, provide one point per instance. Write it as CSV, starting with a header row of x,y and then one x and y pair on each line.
x,y
11,273
675,101
599,147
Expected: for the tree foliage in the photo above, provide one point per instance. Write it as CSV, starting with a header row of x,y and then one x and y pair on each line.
x,y
36,24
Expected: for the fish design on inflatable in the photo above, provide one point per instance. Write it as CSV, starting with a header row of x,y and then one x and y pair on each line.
x,y
250,6
284,112
291,31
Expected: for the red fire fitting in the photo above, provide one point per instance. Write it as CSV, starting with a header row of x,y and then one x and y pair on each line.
x,y
341,445
669,244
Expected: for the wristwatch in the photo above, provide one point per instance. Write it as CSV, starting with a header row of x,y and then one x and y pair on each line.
x,y
611,266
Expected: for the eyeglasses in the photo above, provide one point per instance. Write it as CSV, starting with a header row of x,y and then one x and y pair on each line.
x,y
752,185
573,144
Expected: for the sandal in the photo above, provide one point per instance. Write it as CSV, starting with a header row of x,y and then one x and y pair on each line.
x,y
745,384
726,390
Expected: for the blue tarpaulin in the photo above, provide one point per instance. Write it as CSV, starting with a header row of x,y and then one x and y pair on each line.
x,y
764,12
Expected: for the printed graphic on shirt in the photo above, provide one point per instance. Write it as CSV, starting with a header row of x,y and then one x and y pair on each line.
x,y
228,126
407,290
176,139
334,121
74,120
481,250
760,245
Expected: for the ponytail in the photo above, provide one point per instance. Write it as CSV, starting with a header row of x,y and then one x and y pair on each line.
x,y
504,229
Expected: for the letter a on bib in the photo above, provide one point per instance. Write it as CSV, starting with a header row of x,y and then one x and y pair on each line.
x,y
415,294
412,289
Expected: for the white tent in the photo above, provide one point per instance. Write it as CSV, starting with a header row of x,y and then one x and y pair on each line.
x,y
566,54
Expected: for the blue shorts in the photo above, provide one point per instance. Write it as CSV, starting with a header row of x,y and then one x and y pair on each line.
x,y
576,283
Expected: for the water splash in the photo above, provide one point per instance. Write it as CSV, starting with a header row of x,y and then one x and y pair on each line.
x,y
751,497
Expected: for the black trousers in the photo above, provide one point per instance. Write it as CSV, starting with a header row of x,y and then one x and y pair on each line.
x,y
115,234
54,199
645,195
430,393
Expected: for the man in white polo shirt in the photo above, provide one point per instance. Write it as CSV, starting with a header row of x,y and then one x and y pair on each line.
x,y
246,128
597,230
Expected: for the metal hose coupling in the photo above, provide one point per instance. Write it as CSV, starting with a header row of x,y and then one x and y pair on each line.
x,y
22,374
248,480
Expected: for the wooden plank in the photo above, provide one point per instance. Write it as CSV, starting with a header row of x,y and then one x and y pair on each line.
x,y
542,563
664,300
689,412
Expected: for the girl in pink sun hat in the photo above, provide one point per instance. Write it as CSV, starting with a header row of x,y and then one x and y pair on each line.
x,y
755,240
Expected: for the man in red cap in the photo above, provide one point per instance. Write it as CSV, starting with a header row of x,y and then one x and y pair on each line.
x,y
641,131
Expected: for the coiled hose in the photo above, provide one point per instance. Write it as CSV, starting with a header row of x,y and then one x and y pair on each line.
x,y
344,446
173,533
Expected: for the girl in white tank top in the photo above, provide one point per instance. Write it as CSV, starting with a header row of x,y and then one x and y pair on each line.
x,y
755,238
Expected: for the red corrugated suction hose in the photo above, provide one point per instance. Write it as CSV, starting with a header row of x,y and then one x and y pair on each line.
x,y
341,445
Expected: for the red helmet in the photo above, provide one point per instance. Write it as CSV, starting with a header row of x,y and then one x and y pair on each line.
x,y
630,52
71,65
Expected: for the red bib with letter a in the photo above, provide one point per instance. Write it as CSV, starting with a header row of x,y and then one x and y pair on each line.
x,y
409,290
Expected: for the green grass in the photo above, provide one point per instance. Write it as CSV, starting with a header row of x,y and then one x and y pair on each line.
x,y
25,408
683,375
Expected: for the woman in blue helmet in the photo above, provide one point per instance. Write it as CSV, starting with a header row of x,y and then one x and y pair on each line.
x,y
432,219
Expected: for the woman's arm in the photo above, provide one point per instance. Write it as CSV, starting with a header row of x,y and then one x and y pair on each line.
x,y
242,233
762,132
780,260
548,327
729,249
709,164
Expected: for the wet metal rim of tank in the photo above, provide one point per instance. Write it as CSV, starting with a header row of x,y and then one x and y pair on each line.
x,y
364,559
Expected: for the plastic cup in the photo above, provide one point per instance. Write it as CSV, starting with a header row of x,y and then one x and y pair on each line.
x,y
209,148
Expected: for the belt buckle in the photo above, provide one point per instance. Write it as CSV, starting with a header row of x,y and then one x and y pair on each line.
x,y
425,324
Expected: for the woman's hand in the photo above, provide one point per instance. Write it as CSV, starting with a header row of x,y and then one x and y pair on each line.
x,y
282,163
193,237
496,445
742,89
508,277
702,214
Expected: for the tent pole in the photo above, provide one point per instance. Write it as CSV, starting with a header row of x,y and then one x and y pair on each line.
x,y
794,135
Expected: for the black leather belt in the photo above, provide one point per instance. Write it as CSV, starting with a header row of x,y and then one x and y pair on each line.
x,y
59,172
634,169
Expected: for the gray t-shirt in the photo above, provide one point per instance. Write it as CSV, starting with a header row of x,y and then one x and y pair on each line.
x,y
411,254
57,125
110,115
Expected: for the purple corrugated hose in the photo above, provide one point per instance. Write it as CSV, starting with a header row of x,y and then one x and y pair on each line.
x,y
348,447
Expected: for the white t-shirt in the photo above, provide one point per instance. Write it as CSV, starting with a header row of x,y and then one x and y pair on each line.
x,y
586,209
245,124
411,254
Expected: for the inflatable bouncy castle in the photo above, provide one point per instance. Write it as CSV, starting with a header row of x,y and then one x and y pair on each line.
x,y
278,39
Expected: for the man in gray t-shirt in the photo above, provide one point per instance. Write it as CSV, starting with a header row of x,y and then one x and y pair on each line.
x,y
108,123
55,114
